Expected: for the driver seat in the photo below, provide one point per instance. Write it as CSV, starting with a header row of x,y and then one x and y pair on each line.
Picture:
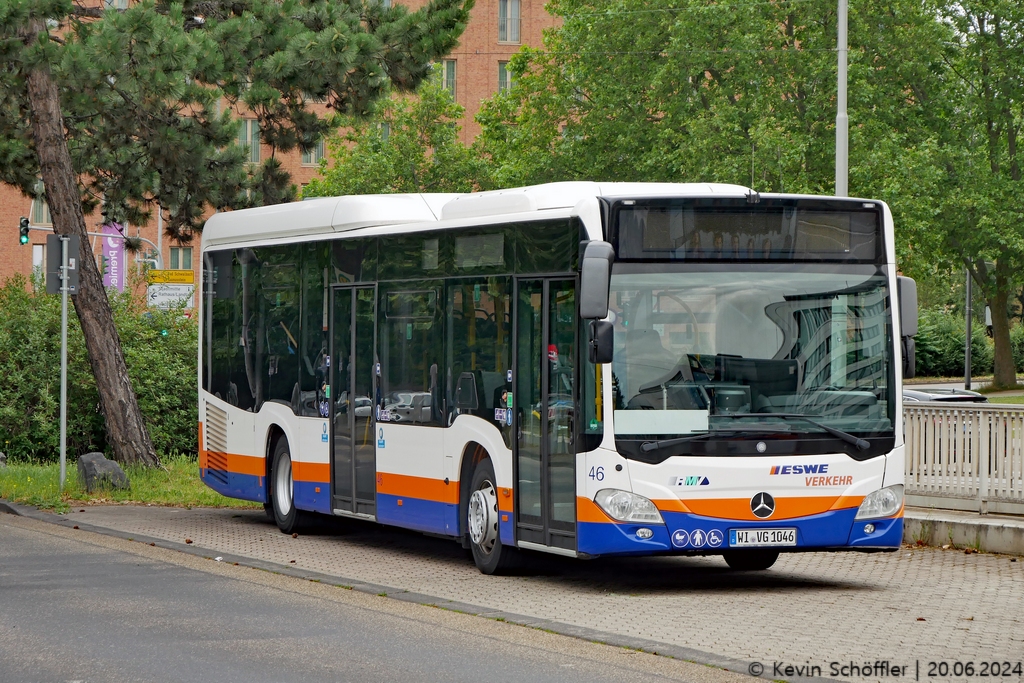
x,y
647,360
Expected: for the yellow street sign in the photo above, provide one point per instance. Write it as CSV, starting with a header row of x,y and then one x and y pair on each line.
x,y
171,277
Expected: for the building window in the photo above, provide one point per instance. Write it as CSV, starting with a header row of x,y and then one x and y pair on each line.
x,y
38,257
181,258
508,21
40,209
249,136
385,131
448,76
504,77
115,4
386,4
313,156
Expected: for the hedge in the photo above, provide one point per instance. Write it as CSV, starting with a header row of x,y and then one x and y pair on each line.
x,y
160,350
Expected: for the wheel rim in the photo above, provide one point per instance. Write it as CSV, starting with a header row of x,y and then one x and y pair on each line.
x,y
483,517
283,485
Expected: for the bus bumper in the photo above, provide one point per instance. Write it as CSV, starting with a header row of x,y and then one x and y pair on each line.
x,y
686,533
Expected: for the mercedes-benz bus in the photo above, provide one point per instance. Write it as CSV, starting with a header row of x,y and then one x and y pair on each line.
x,y
576,368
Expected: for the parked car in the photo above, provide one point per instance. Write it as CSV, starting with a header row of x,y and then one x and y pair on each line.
x,y
944,395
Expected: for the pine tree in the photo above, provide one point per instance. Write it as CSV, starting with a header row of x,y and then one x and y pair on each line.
x,y
131,109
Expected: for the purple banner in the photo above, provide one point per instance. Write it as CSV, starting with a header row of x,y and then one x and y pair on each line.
x,y
113,256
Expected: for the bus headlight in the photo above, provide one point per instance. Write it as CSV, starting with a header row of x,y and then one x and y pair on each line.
x,y
627,507
881,503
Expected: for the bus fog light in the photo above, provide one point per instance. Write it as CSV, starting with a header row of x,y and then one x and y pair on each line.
x,y
881,503
627,507
869,528
644,533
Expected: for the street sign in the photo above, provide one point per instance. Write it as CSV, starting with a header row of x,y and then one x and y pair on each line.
x,y
53,256
169,296
171,277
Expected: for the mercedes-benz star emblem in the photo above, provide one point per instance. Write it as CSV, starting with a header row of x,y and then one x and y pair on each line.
x,y
761,446
762,505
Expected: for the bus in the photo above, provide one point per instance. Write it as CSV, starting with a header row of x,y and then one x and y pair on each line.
x,y
575,368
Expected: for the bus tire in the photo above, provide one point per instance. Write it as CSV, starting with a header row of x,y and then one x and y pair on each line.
x,y
282,489
750,560
481,516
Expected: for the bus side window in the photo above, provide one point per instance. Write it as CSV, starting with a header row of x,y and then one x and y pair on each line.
x,y
410,342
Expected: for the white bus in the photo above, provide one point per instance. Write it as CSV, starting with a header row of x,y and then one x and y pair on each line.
x,y
576,368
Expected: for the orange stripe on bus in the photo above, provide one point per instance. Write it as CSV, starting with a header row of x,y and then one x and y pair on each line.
x,y
311,471
589,511
202,450
423,488
844,502
785,508
670,505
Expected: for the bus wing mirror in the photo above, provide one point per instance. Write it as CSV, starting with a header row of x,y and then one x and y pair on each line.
x,y
595,278
906,292
602,340
909,358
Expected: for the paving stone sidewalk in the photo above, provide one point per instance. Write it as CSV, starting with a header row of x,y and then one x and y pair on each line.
x,y
917,604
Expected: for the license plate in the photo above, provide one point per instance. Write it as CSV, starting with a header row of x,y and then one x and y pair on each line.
x,y
752,538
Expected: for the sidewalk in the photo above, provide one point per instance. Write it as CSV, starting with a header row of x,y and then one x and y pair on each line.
x,y
987,533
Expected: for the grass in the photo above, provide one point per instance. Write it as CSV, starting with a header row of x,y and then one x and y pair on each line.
x,y
1014,400
177,484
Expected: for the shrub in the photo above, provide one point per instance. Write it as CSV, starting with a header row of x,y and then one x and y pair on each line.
x,y
940,346
160,349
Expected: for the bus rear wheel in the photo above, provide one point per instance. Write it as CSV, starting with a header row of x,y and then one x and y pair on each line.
x,y
489,554
750,560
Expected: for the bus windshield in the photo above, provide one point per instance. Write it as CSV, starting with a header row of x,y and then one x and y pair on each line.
x,y
721,350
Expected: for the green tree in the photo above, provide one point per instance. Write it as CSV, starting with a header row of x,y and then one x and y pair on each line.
x,y
690,91
408,144
975,185
124,108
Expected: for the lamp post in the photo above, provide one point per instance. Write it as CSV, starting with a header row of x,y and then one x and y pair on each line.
x,y
967,340
842,120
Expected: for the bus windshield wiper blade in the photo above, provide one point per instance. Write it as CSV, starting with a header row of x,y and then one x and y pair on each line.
x,y
649,446
861,444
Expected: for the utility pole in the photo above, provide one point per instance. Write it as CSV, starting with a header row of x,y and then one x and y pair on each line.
x,y
842,120
967,341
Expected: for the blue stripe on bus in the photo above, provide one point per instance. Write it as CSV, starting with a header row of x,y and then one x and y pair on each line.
x,y
414,513
235,485
307,498
833,529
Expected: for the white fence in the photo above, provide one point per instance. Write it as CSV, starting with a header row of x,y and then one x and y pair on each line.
x,y
965,456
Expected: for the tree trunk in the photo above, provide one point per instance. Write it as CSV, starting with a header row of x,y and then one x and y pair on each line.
x,y
126,430
1004,373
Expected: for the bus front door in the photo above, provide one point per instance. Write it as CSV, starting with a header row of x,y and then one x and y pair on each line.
x,y
353,452
544,402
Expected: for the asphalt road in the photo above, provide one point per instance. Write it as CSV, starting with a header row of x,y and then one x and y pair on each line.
x,y
79,606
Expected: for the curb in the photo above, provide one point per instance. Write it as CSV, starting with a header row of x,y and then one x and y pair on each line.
x,y
990,535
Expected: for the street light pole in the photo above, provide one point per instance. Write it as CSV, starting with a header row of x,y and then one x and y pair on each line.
x,y
842,120
967,341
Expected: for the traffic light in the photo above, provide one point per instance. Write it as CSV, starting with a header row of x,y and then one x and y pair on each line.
x,y
23,228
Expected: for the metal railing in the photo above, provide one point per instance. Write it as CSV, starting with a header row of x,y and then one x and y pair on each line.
x,y
965,456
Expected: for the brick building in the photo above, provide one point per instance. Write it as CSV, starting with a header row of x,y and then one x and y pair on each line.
x,y
473,72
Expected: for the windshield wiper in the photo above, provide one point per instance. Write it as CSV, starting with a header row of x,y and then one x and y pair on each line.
x,y
648,446
861,444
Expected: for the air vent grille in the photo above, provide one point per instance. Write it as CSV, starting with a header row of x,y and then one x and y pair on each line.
x,y
216,431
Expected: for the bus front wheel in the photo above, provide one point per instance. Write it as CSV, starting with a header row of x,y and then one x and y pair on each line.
x,y
750,560
489,554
